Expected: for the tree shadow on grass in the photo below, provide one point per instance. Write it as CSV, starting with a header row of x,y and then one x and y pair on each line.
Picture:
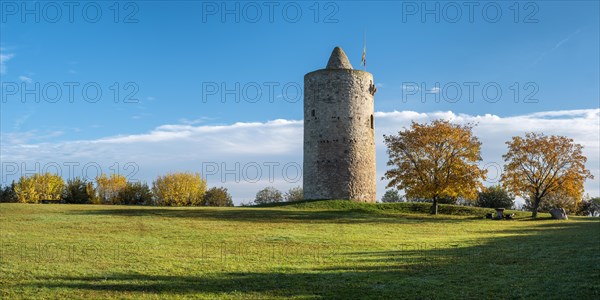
x,y
275,215
519,264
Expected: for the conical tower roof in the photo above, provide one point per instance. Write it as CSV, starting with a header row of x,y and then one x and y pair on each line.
x,y
338,60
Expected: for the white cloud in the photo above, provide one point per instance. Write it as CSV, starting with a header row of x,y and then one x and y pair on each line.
x,y
564,113
25,79
410,86
4,57
243,150
434,90
195,121
21,120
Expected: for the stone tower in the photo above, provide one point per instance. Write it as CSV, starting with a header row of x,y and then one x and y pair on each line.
x,y
339,135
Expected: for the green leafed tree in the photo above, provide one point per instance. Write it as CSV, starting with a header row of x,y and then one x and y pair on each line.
x,y
391,196
7,193
294,194
135,193
76,192
92,193
495,197
589,207
268,195
217,197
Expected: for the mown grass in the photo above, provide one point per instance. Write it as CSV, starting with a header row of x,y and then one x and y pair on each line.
x,y
308,250
399,207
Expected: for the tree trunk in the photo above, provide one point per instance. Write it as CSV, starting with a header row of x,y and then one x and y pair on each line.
x,y
536,205
434,206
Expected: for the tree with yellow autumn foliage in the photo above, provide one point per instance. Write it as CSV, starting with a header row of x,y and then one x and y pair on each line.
x,y
435,161
38,187
539,166
108,188
179,189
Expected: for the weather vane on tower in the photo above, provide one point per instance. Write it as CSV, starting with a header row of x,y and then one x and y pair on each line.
x,y
363,60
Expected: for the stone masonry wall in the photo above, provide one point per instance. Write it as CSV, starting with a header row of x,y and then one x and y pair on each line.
x,y
339,136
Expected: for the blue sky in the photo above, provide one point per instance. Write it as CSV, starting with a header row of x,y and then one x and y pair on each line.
x,y
176,50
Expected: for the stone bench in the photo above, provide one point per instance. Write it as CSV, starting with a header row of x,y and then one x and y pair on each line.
x,y
499,213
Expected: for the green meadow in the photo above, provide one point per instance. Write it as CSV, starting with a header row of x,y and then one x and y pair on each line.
x,y
308,250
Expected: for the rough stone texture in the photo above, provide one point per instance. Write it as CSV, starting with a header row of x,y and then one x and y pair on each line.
x,y
559,214
338,60
499,213
339,137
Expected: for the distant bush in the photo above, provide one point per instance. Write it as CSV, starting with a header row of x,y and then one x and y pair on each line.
x,y
589,207
217,197
108,188
495,197
448,200
39,187
268,195
91,191
559,199
294,194
442,200
179,189
7,193
391,196
135,193
76,192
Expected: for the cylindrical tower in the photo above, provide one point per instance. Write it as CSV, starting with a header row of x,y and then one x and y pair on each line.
x,y
339,135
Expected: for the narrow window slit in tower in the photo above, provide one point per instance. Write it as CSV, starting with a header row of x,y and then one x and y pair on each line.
x,y
312,113
371,121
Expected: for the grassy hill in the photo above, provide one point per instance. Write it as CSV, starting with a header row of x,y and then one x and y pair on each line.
x,y
306,250
400,207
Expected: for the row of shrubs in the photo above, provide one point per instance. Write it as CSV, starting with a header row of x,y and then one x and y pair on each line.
x,y
189,189
175,189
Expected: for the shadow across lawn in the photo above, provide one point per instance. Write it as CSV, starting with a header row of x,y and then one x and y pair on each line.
x,y
558,260
275,215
